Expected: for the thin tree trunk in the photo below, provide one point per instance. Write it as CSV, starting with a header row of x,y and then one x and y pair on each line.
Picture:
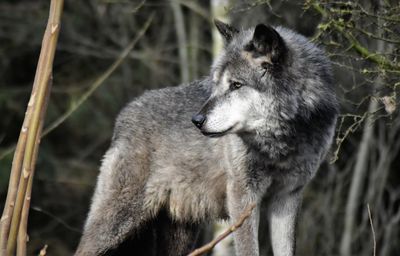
x,y
360,169
182,42
218,11
357,182
194,45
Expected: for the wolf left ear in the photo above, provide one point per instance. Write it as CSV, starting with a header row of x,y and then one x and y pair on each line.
x,y
225,30
267,42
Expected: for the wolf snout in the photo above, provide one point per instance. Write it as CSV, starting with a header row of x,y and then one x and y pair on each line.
x,y
198,120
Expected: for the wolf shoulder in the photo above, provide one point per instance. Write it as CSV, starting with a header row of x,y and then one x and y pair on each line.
x,y
161,110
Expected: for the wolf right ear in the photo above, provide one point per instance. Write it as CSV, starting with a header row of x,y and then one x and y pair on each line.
x,y
225,30
267,42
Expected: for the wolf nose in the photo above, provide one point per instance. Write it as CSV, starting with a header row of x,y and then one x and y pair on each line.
x,y
198,120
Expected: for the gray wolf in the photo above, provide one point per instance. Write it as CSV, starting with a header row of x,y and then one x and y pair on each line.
x,y
264,121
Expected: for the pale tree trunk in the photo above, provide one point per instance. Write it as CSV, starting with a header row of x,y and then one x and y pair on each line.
x,y
357,182
360,169
218,11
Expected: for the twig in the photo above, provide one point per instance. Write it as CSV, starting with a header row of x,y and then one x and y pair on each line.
x,y
43,252
372,228
355,44
57,220
208,247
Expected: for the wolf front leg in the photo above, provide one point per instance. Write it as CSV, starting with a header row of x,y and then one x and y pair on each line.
x,y
282,215
239,197
117,206
105,230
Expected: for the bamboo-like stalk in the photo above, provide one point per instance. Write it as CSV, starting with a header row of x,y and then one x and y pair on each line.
x,y
13,183
22,234
22,238
22,231
34,124
15,174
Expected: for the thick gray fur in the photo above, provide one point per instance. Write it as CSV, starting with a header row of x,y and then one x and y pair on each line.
x,y
270,111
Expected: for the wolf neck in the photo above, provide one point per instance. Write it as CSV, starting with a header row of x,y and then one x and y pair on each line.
x,y
272,144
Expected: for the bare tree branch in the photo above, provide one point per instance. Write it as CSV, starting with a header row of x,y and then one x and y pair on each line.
x,y
100,80
372,228
208,247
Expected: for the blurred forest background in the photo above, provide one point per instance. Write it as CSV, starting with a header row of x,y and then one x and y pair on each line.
x,y
362,39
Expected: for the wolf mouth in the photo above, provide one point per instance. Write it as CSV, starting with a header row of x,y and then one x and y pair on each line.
x,y
216,134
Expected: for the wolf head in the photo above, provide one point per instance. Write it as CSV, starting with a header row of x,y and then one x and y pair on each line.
x,y
263,76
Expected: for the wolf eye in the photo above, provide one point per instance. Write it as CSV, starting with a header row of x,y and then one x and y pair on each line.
x,y
235,85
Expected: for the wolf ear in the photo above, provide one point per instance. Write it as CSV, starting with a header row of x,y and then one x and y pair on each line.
x,y
267,42
225,30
